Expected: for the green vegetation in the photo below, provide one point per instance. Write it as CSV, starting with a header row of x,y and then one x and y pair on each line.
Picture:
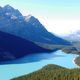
x,y
52,72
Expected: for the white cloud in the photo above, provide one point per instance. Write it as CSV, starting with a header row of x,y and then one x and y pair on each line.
x,y
61,26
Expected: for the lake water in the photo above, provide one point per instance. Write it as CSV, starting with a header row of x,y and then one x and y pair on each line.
x,y
34,62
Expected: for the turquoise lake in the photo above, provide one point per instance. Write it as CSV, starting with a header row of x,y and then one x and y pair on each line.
x,y
34,62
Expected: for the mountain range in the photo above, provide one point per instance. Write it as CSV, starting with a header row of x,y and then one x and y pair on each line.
x,y
21,35
73,37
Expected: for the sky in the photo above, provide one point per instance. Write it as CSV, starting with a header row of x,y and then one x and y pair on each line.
x,y
58,16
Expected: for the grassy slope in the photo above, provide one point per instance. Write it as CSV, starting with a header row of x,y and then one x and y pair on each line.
x,y
52,72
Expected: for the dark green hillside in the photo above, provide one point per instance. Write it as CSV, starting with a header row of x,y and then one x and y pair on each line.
x,y
52,72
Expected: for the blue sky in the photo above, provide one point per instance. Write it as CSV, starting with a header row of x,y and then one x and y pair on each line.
x,y
58,16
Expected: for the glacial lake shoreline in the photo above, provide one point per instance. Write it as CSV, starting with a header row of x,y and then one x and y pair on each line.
x,y
76,61
35,62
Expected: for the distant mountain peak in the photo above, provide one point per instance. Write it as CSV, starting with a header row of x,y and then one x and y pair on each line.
x,y
8,7
9,11
30,18
34,21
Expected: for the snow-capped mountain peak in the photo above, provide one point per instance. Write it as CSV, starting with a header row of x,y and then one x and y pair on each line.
x,y
27,27
28,18
8,10
32,20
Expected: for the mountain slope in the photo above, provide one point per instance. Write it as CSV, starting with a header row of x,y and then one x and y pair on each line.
x,y
13,47
26,27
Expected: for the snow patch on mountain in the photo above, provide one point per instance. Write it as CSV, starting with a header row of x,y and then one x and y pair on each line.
x,y
7,14
13,17
27,18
